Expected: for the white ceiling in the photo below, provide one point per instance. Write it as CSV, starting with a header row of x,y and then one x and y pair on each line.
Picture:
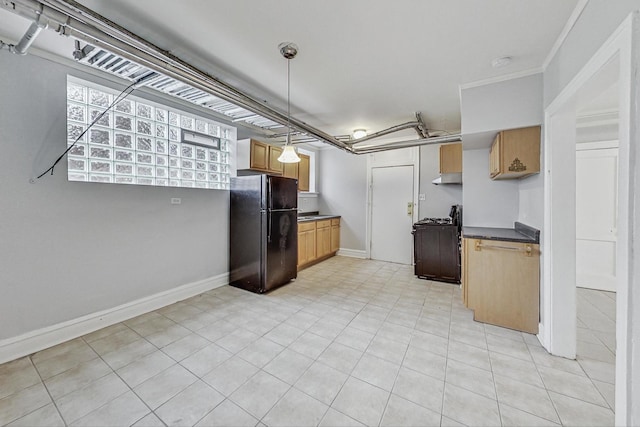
x,y
362,63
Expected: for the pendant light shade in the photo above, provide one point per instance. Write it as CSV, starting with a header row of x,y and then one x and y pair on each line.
x,y
289,51
289,155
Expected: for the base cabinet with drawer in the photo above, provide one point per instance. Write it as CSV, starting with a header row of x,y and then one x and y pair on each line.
x,y
317,241
501,283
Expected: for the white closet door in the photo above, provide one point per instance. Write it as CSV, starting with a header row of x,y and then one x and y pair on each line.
x,y
596,218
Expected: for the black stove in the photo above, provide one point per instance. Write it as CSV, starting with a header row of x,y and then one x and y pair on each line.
x,y
434,221
437,247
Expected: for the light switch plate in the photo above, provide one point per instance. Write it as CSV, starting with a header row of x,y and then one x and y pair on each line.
x,y
422,197
176,200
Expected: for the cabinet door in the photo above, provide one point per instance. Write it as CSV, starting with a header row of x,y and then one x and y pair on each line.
x,y
502,281
323,240
290,170
451,158
311,246
274,165
520,152
306,242
302,247
335,235
494,157
303,172
259,155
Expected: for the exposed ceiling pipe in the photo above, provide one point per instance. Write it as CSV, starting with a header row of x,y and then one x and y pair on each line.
x,y
27,39
392,129
421,128
73,19
406,144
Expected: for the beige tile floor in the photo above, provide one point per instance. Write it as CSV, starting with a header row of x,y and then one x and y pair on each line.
x,y
351,342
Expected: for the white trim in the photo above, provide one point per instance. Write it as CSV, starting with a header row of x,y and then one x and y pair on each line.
x,y
620,45
412,160
25,344
352,253
596,145
498,79
577,11
540,334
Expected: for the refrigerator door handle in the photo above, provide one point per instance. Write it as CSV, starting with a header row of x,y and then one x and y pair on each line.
x,y
269,226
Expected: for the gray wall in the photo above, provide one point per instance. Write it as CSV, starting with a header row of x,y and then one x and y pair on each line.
x,y
438,198
68,248
486,203
508,104
486,110
343,191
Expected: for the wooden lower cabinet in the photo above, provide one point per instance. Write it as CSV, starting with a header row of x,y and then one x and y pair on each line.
x,y
335,234
317,240
501,283
323,242
306,242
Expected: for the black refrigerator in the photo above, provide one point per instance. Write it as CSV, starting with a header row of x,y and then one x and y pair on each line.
x,y
263,234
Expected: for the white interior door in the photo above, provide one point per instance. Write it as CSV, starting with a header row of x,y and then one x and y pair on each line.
x,y
392,213
596,218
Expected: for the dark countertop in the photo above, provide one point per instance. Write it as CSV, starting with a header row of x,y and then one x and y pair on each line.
x,y
520,233
305,218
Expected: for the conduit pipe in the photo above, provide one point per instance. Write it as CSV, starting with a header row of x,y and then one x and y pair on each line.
x,y
73,19
374,148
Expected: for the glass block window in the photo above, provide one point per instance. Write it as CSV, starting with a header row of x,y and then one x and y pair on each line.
x,y
140,142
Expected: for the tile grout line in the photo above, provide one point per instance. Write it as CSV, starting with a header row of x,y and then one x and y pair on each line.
x,y
48,392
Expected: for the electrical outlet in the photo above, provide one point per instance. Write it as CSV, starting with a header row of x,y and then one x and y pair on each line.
x,y
422,197
176,200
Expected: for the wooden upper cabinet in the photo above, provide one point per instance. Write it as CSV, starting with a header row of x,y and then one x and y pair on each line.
x,y
451,158
264,158
274,164
290,170
259,155
515,153
303,172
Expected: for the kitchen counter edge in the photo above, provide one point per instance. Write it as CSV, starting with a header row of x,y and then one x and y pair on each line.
x,y
520,233
316,218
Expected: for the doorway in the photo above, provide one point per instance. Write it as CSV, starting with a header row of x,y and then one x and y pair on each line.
x,y
392,213
610,65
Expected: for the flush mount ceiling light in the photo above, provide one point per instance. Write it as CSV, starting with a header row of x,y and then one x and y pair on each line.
x,y
503,61
359,133
289,51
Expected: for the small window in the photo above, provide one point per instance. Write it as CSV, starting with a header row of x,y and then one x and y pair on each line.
x,y
144,143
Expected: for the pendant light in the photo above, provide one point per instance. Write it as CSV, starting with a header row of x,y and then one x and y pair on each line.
x,y
289,51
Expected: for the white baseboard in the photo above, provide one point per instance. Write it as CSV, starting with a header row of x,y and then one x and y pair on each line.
x,y
31,342
353,253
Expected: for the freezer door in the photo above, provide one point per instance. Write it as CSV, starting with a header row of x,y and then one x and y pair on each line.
x,y
282,193
282,248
